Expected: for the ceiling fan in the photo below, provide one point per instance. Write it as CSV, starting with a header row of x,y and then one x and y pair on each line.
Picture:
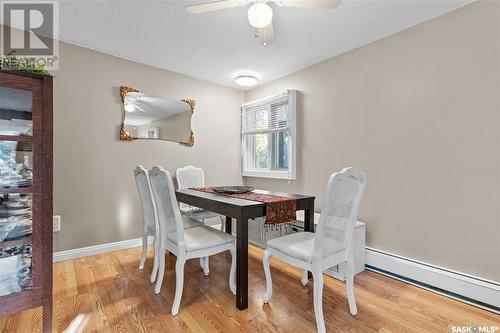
x,y
260,14
130,101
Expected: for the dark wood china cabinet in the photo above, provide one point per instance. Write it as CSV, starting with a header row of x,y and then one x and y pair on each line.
x,y
26,194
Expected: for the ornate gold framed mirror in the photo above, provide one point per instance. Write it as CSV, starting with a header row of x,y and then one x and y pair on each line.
x,y
155,118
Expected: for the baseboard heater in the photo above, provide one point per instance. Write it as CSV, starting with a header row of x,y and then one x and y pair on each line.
x,y
459,286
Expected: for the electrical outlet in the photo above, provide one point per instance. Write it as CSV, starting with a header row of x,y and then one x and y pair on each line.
x,y
56,223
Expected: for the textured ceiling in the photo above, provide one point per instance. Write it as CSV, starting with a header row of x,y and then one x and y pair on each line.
x,y
216,46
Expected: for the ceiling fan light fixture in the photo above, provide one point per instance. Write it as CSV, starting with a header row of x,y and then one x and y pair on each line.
x,y
246,80
129,107
260,15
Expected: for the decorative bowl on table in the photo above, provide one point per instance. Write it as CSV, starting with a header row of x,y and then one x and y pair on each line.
x,y
233,189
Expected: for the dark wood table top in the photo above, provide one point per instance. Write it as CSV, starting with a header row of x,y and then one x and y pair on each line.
x,y
232,201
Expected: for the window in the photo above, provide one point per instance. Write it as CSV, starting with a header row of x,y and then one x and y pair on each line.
x,y
268,137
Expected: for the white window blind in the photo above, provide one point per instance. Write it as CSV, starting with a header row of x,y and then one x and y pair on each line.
x,y
266,116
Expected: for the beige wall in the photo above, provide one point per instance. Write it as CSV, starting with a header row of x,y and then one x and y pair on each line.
x,y
94,189
419,112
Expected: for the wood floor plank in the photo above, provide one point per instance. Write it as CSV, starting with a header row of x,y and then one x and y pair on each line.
x,y
116,297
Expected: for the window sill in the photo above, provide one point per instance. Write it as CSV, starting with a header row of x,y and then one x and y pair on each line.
x,y
268,174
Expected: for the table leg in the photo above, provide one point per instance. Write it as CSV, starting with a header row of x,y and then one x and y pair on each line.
x,y
309,222
229,225
309,217
242,263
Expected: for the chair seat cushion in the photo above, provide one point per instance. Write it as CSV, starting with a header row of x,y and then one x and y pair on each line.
x,y
202,237
300,245
189,222
198,213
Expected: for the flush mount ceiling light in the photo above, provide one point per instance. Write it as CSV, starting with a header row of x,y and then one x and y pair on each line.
x,y
260,14
246,80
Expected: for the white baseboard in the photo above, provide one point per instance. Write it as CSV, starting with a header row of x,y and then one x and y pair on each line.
x,y
465,285
98,249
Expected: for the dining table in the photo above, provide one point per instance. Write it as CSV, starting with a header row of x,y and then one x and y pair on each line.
x,y
242,210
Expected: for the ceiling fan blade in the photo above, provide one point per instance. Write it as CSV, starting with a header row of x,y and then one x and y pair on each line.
x,y
327,4
204,7
266,34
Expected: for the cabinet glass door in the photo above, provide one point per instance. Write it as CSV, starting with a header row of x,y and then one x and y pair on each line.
x,y
16,181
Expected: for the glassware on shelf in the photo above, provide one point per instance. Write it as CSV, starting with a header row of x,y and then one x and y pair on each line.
x,y
15,269
15,216
26,171
16,127
15,164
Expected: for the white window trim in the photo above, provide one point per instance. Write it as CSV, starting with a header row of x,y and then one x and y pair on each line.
x,y
289,174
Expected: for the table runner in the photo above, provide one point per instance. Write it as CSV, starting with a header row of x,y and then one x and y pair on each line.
x,y
279,210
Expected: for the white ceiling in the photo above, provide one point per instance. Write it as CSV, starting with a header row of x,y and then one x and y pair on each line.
x,y
218,45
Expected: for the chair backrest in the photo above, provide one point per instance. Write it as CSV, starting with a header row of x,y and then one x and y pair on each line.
x,y
169,215
190,176
148,206
340,210
187,177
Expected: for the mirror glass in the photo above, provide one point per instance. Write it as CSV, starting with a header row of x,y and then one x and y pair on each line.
x,y
156,118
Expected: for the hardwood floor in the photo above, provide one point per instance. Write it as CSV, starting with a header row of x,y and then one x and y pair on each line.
x,y
114,296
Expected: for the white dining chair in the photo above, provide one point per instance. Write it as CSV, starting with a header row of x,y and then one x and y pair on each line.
x,y
150,219
148,214
195,242
189,177
332,244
